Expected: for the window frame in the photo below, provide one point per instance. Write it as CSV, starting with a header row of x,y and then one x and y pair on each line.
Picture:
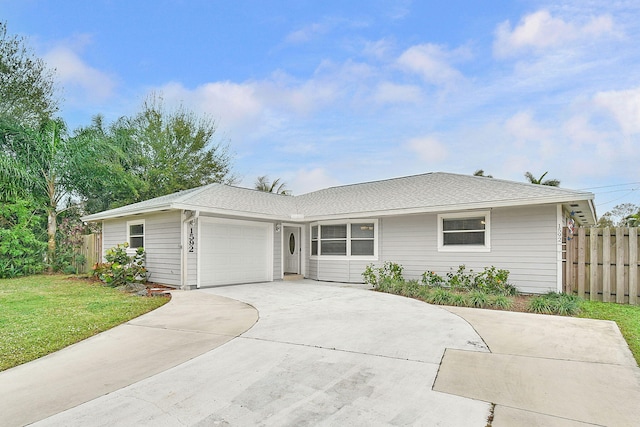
x,y
129,235
465,248
349,239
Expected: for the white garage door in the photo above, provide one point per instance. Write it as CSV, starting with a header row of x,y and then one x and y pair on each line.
x,y
234,252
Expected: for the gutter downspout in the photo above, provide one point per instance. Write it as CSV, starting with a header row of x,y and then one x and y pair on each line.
x,y
193,216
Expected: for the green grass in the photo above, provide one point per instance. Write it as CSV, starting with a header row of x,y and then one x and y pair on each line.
x,y
42,314
626,316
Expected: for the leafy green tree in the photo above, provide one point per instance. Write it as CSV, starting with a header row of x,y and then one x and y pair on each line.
x,y
176,150
622,215
21,249
263,184
541,181
116,176
152,153
633,220
27,91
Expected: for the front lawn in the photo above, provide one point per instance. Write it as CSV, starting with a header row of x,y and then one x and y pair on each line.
x,y
44,313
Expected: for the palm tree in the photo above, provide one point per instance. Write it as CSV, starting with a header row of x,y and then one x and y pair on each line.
x,y
533,180
43,164
263,184
480,172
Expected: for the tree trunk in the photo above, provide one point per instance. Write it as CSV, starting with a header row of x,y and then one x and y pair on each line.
x,y
52,227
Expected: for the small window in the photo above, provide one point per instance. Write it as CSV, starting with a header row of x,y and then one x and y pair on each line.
x,y
136,234
314,240
463,232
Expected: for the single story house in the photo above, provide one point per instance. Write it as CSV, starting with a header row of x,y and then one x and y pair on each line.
x,y
219,234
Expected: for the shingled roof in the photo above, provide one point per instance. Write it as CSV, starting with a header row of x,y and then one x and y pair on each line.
x,y
431,192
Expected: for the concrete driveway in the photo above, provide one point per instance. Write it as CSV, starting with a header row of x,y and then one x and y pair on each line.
x,y
336,354
320,354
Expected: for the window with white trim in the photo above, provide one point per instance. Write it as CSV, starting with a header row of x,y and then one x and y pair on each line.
x,y
135,234
344,239
464,232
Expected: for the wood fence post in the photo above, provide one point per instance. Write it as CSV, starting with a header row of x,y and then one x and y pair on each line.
x,y
606,265
581,261
620,265
593,264
633,266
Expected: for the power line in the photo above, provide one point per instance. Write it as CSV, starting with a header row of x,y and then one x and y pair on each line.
x,y
608,186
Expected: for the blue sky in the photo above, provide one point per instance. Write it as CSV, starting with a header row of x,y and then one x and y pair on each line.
x,y
322,93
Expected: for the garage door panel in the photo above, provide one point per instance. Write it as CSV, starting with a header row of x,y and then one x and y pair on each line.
x,y
235,252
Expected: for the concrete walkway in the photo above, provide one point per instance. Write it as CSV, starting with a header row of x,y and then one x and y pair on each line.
x,y
189,325
330,354
546,370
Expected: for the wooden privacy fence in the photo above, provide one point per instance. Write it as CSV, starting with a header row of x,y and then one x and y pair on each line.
x,y
601,264
91,249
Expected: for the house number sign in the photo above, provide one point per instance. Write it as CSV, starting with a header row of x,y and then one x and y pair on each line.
x,y
192,239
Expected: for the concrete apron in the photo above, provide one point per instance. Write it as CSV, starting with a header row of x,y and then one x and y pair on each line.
x,y
546,370
187,326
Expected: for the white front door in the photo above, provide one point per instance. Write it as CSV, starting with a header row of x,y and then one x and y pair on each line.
x,y
291,249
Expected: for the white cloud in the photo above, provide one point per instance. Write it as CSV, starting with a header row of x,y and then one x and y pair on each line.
x,y
378,49
235,105
624,106
539,30
308,180
527,134
579,131
81,81
429,148
433,63
392,93
522,128
307,33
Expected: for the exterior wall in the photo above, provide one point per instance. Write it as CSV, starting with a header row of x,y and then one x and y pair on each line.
x,y
523,241
277,252
162,243
113,233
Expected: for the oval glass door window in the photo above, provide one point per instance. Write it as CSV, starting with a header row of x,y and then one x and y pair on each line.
x,y
292,243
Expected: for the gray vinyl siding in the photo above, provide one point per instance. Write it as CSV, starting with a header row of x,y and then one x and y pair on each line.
x,y
114,232
162,243
523,241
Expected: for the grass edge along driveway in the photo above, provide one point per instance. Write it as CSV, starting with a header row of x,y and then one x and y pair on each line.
x,y
45,313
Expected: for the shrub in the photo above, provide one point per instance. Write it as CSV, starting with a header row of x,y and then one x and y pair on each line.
x,y
494,281
491,281
477,299
21,251
459,300
440,296
430,278
501,302
121,269
390,272
410,288
460,279
555,303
